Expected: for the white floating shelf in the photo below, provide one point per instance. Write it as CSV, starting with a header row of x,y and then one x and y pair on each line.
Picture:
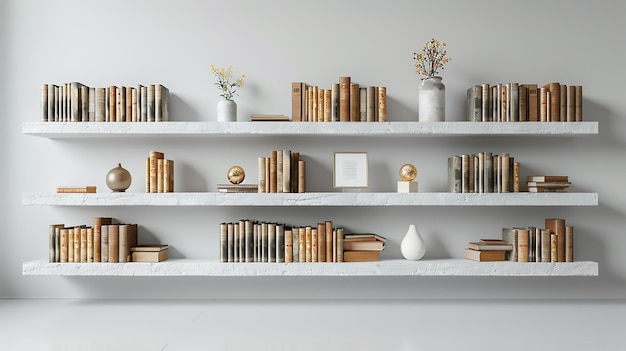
x,y
312,199
185,267
202,129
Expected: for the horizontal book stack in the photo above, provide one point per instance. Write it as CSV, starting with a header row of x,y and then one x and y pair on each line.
x,y
552,243
104,241
282,171
269,118
77,102
343,101
517,102
362,247
159,173
237,188
256,241
88,189
483,172
487,250
547,184
149,253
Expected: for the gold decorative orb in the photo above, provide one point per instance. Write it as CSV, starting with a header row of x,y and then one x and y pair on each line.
x,y
118,179
236,174
408,172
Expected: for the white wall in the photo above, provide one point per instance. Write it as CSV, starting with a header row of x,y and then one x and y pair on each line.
x,y
274,43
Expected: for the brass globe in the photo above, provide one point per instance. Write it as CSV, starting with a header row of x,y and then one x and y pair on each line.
x,y
236,174
408,172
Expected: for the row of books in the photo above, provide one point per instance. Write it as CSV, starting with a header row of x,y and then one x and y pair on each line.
x,y
344,101
77,102
483,172
257,241
104,241
515,102
159,173
282,171
552,243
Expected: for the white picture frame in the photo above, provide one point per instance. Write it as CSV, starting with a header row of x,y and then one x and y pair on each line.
x,y
350,170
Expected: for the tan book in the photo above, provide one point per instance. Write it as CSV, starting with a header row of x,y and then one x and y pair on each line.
x,y
76,244
301,176
128,99
70,245
360,256
484,256
535,189
523,103
112,107
516,176
120,113
273,171
45,101
161,102
569,243
372,104
262,175
523,241
149,248
159,175
363,104
328,105
279,171
557,226
297,90
532,102
114,242
555,101
90,243
547,178
308,253
382,104
328,225
271,242
288,245
63,241
83,244
546,250
150,102
544,105
563,103
321,242
286,174
320,105
149,256
340,251
344,99
579,103
155,156
482,246
355,102
100,105
314,244
334,102
223,242
302,244
363,245
295,231
554,248
127,238
571,103
76,189
168,176
134,99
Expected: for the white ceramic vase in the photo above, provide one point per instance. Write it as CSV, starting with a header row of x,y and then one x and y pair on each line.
x,y
432,100
412,246
226,111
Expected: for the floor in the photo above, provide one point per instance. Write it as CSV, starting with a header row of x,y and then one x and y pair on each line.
x,y
405,325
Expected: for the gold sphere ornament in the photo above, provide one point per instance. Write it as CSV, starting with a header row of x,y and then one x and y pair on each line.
x,y
408,172
236,174
118,179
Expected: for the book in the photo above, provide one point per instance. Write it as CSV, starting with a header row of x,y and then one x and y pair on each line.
x,y
510,236
548,184
149,248
360,256
77,189
114,242
267,118
484,256
98,222
474,108
381,114
364,245
482,246
297,101
127,238
148,256
161,103
523,245
238,188
547,178
363,237
344,99
557,226
535,189
355,102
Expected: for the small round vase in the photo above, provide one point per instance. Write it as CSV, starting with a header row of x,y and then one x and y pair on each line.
x,y
432,100
412,246
118,179
226,111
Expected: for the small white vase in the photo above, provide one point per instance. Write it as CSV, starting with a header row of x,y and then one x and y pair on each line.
x,y
226,111
432,100
412,246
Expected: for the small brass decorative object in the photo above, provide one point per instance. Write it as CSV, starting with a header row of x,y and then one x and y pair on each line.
x,y
118,179
408,172
236,174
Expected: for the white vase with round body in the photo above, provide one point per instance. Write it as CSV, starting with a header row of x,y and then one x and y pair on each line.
x,y
226,111
412,245
432,100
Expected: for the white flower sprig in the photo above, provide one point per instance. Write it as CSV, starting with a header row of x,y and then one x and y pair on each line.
x,y
224,83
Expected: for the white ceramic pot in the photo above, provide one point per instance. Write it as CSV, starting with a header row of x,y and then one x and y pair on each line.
x,y
412,246
226,111
432,100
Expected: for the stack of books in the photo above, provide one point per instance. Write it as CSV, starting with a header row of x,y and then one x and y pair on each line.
x,y
237,188
362,247
149,253
488,250
548,184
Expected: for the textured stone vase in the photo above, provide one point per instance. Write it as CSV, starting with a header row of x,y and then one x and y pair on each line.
x,y
432,100
118,179
412,246
226,111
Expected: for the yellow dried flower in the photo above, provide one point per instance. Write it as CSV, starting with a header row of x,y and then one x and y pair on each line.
x,y
431,59
224,77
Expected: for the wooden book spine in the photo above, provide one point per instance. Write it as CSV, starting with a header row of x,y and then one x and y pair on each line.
x,y
280,243
571,103
63,244
314,244
554,254
159,173
363,104
486,111
555,101
286,174
307,244
223,242
288,245
579,103
355,102
328,105
320,105
295,245
114,237
295,158
382,104
302,244
505,172
522,245
569,243
328,227
296,101
279,171
273,174
261,163
241,242
301,176
563,103
557,226
321,242
90,244
344,99
123,248
76,244
544,105
545,245
249,240
128,99
168,176
340,236
230,238
372,106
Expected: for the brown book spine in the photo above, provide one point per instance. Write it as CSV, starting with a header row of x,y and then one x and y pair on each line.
x,y
328,226
532,102
314,244
555,101
89,232
355,102
522,245
340,244
273,171
223,242
487,111
571,103
128,99
63,241
569,243
543,104
302,244
563,103
45,101
523,103
382,104
320,105
288,245
301,176
372,104
159,175
295,157
279,171
168,176
321,242
557,226
546,250
83,244
114,243
307,244
328,105
76,244
286,172
344,99
554,256
579,103
296,101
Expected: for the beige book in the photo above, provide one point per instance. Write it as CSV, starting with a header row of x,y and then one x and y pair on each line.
x,y
301,176
554,254
99,105
288,245
321,242
522,244
97,236
262,175
159,175
314,245
70,245
273,173
271,242
382,104
557,226
328,227
63,241
355,102
168,176
279,171
83,244
149,256
372,104
223,242
296,101
286,174
545,245
339,244
328,102
89,232
302,244
114,243
344,99
45,102
569,243
320,105
150,103
133,105
120,96
128,99
76,244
